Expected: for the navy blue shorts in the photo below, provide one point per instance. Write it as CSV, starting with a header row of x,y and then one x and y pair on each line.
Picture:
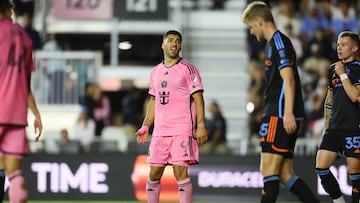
x,y
341,142
274,139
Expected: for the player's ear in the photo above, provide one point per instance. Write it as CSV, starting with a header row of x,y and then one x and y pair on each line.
x,y
355,49
259,21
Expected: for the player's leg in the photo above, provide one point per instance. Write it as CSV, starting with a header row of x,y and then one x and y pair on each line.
x,y
17,191
184,152
2,168
354,173
270,165
332,143
153,183
295,184
2,179
14,143
181,174
273,146
158,158
324,159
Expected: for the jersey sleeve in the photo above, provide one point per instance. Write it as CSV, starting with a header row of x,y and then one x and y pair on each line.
x,y
285,52
193,78
151,84
355,77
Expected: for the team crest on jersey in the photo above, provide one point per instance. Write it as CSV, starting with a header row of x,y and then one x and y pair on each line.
x,y
282,53
164,84
164,97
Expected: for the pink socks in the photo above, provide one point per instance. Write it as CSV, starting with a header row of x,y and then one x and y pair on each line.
x,y
185,191
17,189
153,191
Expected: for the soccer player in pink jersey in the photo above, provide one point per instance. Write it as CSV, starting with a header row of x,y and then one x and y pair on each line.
x,y
16,65
176,109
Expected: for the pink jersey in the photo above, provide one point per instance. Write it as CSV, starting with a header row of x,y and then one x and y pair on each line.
x,y
172,87
16,65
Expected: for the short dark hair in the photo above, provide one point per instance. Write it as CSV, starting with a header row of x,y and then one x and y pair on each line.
x,y
5,5
173,32
353,36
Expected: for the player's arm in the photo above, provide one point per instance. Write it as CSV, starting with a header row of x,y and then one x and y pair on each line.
x,y
287,74
34,109
327,109
352,91
150,112
143,133
201,133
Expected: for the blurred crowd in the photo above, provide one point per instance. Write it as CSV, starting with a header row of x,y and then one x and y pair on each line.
x,y
100,126
312,26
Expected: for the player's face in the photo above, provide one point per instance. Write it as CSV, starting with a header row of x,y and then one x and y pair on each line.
x,y
171,46
346,49
255,28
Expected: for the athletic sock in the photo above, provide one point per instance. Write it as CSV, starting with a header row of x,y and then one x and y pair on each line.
x,y
2,183
153,191
271,189
17,189
185,191
329,183
300,189
355,180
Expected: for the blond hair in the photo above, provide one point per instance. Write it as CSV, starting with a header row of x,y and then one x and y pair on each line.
x,y
257,9
354,37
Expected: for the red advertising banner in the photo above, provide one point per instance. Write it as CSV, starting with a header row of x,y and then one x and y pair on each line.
x,y
83,9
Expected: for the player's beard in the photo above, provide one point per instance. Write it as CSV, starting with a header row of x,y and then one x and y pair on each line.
x,y
173,54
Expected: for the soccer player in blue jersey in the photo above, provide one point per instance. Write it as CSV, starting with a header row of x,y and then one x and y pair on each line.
x,y
342,118
284,108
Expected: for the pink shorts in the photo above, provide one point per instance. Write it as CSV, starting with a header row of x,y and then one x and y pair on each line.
x,y
13,140
165,150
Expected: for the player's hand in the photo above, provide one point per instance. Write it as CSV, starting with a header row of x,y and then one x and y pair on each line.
x,y
339,67
201,135
142,135
38,127
289,123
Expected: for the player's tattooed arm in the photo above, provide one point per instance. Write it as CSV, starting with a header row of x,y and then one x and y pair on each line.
x,y
150,113
148,122
327,108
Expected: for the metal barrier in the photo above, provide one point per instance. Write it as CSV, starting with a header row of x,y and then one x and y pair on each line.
x,y
60,77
